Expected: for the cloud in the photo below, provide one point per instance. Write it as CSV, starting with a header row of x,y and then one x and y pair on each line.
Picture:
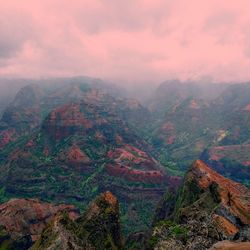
x,y
15,29
137,41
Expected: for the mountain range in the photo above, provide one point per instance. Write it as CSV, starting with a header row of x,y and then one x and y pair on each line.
x,y
66,141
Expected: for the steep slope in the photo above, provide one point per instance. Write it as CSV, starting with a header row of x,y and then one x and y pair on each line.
x,y
8,90
32,224
83,149
22,115
208,209
98,228
185,131
233,106
34,102
188,118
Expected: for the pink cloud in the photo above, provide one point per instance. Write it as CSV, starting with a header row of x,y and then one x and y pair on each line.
x,y
140,40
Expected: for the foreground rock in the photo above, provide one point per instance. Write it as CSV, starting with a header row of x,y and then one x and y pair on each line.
x,y
209,208
98,228
227,245
23,220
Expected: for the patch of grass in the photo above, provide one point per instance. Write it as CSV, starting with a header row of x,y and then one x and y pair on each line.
x,y
153,241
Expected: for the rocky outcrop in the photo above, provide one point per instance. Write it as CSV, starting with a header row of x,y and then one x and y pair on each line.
x,y
102,223
133,164
74,155
60,233
233,198
228,245
65,121
208,208
131,174
25,221
231,160
98,228
21,217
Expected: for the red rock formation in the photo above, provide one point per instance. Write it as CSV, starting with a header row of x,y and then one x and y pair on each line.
x,y
228,245
130,174
29,216
234,196
209,207
62,121
6,137
74,155
168,132
99,228
224,225
30,143
132,155
133,164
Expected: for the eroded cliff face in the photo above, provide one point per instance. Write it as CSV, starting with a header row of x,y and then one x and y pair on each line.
x,y
208,208
98,228
83,149
32,224
133,164
231,196
208,212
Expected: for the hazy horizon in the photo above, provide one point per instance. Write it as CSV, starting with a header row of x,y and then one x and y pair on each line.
x,y
129,42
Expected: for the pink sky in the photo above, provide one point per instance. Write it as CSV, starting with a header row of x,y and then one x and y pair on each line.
x,y
137,40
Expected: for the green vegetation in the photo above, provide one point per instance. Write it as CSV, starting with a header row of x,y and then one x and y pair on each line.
x,y
3,196
171,230
177,130
152,242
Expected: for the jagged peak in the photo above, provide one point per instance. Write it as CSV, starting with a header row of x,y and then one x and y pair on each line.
x,y
206,176
233,196
109,198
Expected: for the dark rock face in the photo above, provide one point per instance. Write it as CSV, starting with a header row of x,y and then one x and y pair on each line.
x,y
165,207
8,243
136,241
102,223
209,208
